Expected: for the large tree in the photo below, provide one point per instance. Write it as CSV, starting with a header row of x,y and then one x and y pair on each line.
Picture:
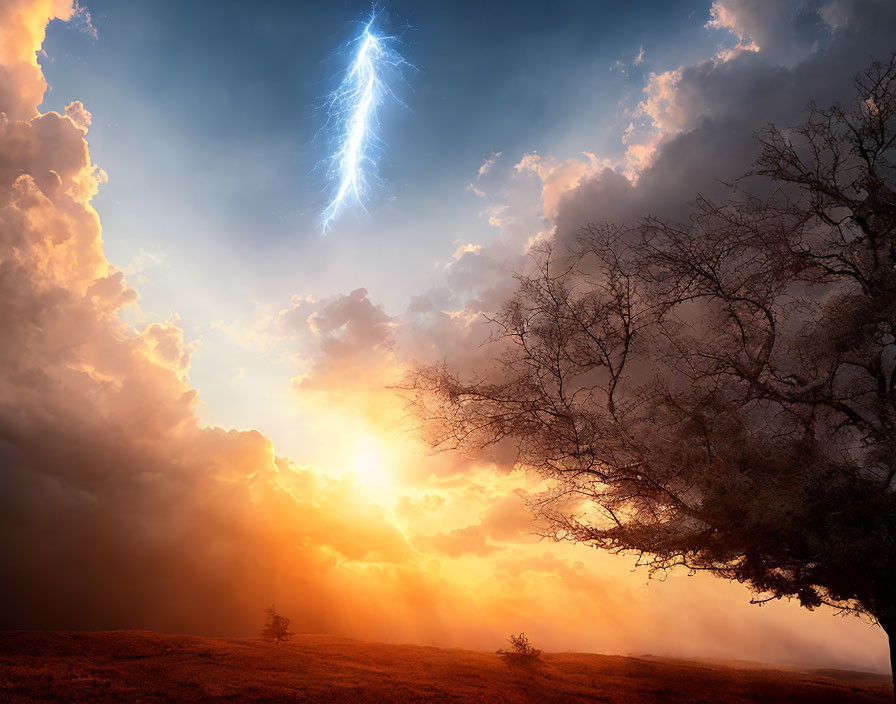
x,y
719,394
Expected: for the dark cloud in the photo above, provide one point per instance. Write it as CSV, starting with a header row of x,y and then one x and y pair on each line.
x,y
708,113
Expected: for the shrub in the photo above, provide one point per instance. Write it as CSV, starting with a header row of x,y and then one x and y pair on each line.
x,y
276,628
521,653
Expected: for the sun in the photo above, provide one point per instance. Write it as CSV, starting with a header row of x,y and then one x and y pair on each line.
x,y
372,467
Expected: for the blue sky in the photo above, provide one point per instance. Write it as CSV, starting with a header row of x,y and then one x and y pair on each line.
x,y
208,119
223,100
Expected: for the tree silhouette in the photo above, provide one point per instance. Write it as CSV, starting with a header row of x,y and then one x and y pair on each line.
x,y
276,628
718,394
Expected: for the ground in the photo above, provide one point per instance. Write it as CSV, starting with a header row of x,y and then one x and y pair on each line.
x,y
142,666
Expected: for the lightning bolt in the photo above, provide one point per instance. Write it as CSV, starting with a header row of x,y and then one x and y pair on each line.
x,y
352,109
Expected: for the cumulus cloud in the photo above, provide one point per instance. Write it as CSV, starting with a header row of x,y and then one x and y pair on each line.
x,y
783,31
488,163
355,339
558,179
22,28
468,248
698,121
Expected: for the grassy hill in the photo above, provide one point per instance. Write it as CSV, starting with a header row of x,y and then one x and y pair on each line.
x,y
142,666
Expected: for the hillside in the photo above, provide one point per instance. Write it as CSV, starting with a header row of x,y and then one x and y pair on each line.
x,y
142,666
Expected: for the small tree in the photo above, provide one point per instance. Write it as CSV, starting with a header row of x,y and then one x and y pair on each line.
x,y
720,394
276,628
521,652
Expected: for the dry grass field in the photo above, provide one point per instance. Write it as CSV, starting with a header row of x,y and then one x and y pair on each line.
x,y
142,666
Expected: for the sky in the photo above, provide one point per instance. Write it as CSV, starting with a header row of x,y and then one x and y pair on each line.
x,y
229,106
195,406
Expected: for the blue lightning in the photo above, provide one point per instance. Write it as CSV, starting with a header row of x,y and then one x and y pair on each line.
x,y
352,110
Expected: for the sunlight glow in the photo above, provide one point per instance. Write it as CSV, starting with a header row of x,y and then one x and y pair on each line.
x,y
371,467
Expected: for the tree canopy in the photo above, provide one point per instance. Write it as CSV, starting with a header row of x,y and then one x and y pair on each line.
x,y
719,393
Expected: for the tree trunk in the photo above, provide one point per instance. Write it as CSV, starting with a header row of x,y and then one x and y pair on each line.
x,y
891,634
889,626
